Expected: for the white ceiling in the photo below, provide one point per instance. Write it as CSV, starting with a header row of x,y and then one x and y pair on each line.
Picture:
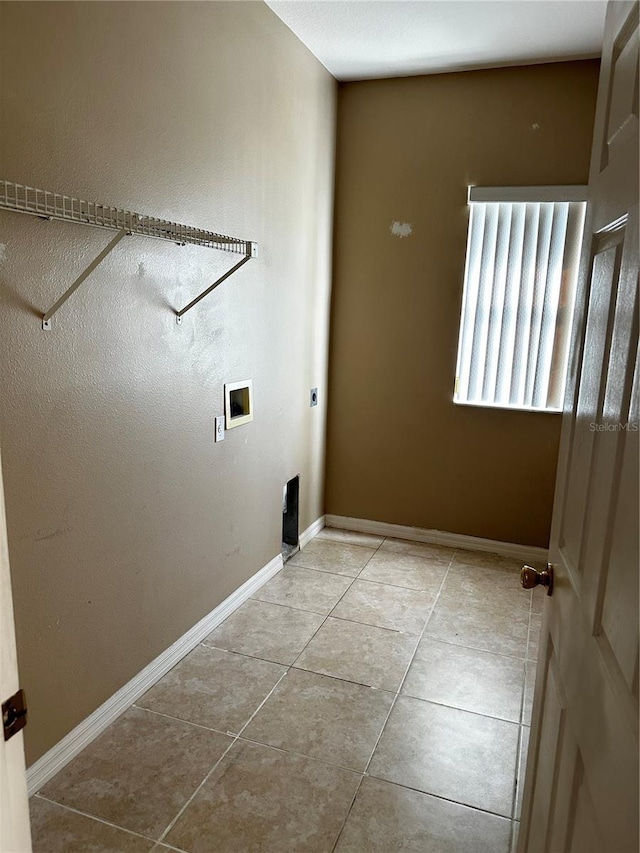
x,y
362,39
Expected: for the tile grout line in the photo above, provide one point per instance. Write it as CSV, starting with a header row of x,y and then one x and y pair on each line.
x,y
477,649
464,711
522,660
291,666
311,758
518,774
181,720
238,735
235,738
398,692
104,821
302,651
444,799
415,651
350,578
173,822
353,580
393,703
247,739
412,658
514,795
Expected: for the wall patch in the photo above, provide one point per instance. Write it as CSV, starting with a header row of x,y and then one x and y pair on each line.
x,y
401,229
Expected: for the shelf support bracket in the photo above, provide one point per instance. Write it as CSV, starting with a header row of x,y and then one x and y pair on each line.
x,y
46,319
253,251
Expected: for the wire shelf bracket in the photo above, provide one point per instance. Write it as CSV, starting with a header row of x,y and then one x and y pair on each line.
x,y
49,206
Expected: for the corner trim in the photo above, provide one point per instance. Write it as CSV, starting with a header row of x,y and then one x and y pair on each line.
x,y
61,754
307,535
438,537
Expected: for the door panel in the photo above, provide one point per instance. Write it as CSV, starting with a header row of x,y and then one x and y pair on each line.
x,y
581,790
622,119
583,835
15,835
550,753
621,584
602,292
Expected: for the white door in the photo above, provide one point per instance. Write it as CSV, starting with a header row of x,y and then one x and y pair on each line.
x,y
15,836
581,789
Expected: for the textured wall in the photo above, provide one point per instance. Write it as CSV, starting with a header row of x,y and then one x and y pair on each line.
x,y
126,523
399,450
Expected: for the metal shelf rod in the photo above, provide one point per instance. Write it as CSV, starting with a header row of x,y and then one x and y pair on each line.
x,y
206,292
46,320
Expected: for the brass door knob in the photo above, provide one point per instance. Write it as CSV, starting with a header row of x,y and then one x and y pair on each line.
x,y
529,578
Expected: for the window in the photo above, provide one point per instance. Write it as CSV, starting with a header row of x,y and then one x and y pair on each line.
x,y
523,251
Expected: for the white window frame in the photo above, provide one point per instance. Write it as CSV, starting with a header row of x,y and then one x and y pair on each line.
x,y
518,259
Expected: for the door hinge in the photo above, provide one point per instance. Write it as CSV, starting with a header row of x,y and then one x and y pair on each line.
x,y
14,714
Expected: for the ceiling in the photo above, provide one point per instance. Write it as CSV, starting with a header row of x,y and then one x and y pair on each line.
x,y
363,39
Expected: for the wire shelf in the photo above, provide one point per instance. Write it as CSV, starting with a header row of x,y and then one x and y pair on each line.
x,y
65,208
50,205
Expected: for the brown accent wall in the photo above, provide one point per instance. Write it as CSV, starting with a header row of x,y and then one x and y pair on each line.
x,y
127,524
399,450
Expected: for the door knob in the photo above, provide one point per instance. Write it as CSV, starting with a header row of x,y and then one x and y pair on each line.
x,y
529,578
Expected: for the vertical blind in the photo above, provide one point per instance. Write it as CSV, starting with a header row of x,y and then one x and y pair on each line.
x,y
519,292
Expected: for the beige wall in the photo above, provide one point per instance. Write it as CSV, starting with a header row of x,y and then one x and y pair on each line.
x,y
126,523
398,449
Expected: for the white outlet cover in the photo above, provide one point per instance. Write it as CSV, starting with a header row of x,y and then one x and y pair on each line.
x,y
219,428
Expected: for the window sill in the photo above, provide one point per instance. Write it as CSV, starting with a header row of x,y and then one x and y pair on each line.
x,y
508,408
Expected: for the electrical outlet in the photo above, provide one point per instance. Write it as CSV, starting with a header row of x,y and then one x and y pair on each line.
x,y
219,431
313,397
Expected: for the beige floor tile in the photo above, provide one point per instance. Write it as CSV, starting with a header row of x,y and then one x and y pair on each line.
x,y
449,753
55,829
365,654
387,818
385,606
419,549
304,589
336,557
268,631
350,537
213,688
492,627
529,687
261,800
472,680
522,768
322,717
405,570
486,559
480,586
140,772
534,636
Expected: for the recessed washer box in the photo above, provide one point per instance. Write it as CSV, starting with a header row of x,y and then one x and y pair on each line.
x,y
238,403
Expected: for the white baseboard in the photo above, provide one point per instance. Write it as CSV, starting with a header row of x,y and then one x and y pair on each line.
x,y
55,759
307,535
438,537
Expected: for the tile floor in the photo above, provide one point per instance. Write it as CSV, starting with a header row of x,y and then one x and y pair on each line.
x,y
374,696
